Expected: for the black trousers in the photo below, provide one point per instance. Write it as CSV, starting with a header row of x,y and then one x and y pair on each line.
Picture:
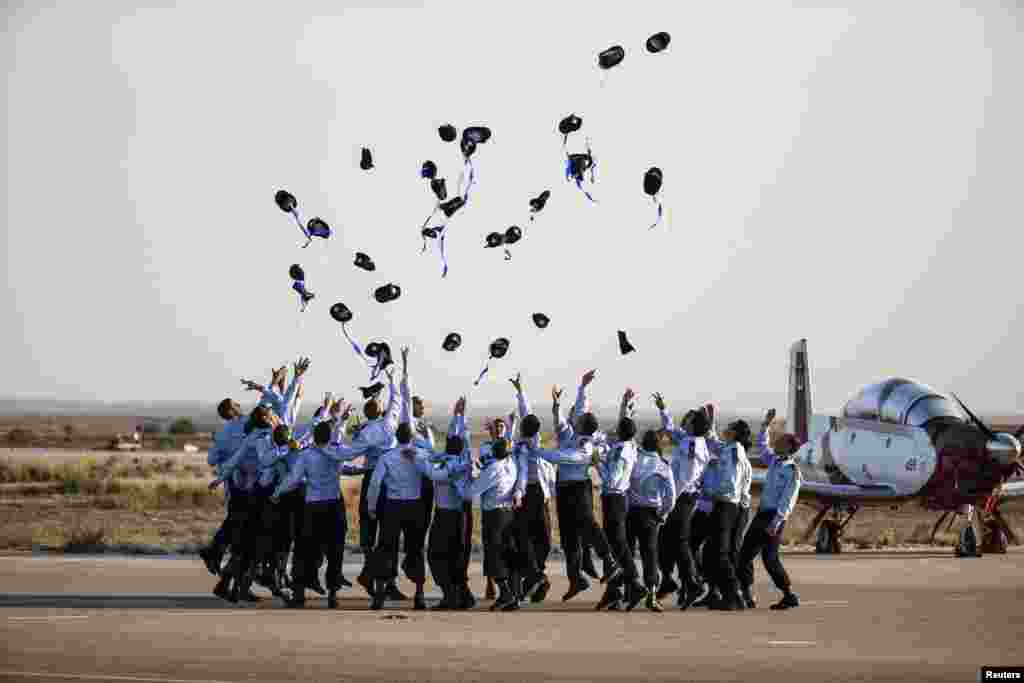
x,y
324,526
757,541
499,531
723,528
398,517
240,527
447,551
534,532
368,526
644,523
467,512
291,507
575,503
742,520
683,550
700,532
613,512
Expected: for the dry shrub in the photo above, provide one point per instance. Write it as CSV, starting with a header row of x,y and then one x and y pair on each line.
x,y
84,537
8,472
887,537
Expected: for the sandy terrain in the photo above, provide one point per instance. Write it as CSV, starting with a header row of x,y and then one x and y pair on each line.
x,y
893,616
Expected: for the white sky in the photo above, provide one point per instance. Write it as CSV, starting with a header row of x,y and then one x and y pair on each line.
x,y
846,174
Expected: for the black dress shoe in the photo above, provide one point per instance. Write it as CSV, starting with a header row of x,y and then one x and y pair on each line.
x,y
748,598
332,600
365,581
391,592
668,585
576,586
419,602
249,596
541,592
466,598
789,601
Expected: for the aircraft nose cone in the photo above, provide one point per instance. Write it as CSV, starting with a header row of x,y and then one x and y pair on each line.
x,y
1005,448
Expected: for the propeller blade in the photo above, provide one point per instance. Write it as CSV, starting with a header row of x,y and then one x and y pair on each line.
x,y
974,418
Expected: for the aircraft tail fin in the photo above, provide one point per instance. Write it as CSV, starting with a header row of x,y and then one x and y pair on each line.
x,y
798,416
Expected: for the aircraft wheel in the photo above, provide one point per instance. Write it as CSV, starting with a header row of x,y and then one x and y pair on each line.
x,y
968,543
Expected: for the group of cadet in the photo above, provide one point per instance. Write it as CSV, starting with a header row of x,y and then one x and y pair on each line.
x,y
688,510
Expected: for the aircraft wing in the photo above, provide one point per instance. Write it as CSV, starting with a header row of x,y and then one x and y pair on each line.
x,y
818,489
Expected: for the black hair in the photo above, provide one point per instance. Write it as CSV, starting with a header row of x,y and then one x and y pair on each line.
x,y
742,431
588,424
529,427
223,408
322,433
257,419
699,424
455,445
650,442
404,433
500,449
627,429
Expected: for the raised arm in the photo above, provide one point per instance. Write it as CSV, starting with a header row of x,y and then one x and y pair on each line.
x,y
563,429
471,488
768,454
391,415
580,406
406,414
569,456
626,409
293,394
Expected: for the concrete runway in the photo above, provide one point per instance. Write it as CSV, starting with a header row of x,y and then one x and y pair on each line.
x,y
865,616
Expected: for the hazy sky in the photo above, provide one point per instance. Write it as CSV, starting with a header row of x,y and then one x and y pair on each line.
x,y
849,174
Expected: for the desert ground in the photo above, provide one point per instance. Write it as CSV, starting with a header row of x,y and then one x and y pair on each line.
x,y
883,616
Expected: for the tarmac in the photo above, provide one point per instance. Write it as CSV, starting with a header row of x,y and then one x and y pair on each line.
x,y
864,616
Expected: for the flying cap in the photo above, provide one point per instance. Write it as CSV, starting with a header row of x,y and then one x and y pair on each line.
x,y
387,293
440,190
452,205
513,234
538,202
498,349
428,170
495,239
341,313
304,295
611,57
541,320
365,262
296,272
624,345
477,134
447,132
371,391
658,42
366,160
452,341
285,201
317,227
652,185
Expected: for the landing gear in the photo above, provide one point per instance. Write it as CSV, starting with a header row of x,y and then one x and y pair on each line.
x,y
967,546
830,531
827,542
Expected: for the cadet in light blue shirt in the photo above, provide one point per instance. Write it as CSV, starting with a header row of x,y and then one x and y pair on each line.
x,y
225,444
447,553
325,525
652,496
778,498
496,487
400,472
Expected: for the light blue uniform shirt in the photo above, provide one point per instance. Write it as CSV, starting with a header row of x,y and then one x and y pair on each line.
x,y
401,470
690,456
244,466
782,482
616,468
730,468
378,436
496,485
227,441
320,467
532,468
651,484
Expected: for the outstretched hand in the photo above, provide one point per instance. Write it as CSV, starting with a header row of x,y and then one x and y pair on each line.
x,y
768,418
588,377
301,366
556,393
517,382
251,386
659,400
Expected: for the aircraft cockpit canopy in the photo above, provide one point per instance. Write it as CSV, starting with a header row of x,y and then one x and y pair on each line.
x,y
901,401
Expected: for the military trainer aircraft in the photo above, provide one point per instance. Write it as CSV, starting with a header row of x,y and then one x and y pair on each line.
x,y
896,442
